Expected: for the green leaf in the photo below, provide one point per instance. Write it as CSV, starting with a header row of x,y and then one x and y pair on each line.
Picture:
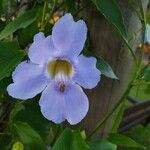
x,y
2,25
1,7
10,56
112,13
105,68
28,136
147,89
16,109
22,21
102,145
122,140
18,146
33,116
147,74
70,140
118,117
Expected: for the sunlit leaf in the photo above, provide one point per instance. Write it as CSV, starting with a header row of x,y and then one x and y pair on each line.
x,y
18,146
22,21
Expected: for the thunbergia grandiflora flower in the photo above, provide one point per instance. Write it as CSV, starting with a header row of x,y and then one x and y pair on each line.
x,y
57,70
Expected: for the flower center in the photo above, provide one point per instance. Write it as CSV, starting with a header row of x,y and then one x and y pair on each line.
x,y
59,66
61,70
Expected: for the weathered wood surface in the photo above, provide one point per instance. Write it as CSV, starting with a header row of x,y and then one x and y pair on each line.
x,y
106,43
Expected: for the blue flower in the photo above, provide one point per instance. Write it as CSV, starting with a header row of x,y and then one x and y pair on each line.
x,y
57,69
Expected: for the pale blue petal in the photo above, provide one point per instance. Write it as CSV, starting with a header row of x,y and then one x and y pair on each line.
x,y
71,105
77,104
29,80
68,36
41,49
52,104
26,70
26,89
38,37
86,73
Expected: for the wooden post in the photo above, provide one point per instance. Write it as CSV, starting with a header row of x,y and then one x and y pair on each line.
x,y
107,43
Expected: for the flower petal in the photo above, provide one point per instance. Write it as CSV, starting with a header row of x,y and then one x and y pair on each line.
x,y
41,49
77,104
52,104
26,89
86,74
26,70
69,36
57,106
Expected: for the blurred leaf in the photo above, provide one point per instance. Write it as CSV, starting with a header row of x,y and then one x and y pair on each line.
x,y
70,6
112,13
10,56
1,6
2,25
102,145
147,89
105,68
22,21
3,93
5,141
140,134
122,140
70,140
118,118
18,146
28,136
33,116
25,35
17,108
147,74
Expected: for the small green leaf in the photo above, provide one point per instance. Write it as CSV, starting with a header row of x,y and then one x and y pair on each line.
x,y
105,68
18,146
122,140
147,89
147,74
32,115
28,136
112,13
102,145
70,140
22,21
17,108
118,117
10,56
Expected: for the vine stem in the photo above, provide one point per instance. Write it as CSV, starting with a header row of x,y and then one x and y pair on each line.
x,y
131,50
143,22
51,13
130,85
43,16
99,124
